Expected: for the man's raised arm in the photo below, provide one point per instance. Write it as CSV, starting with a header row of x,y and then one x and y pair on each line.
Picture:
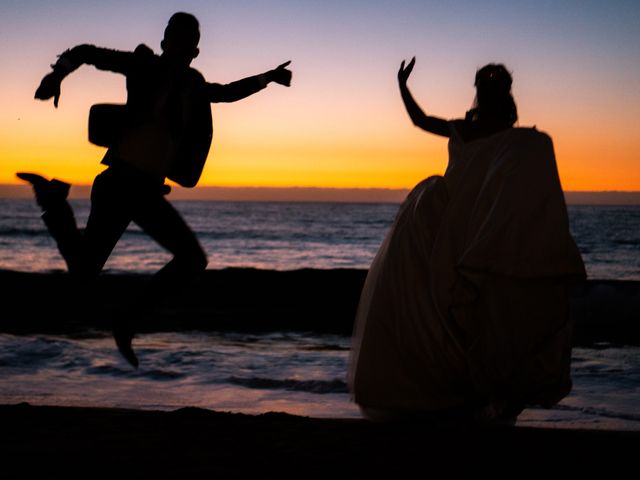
x,y
234,91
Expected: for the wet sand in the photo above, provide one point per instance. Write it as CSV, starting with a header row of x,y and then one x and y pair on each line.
x,y
181,444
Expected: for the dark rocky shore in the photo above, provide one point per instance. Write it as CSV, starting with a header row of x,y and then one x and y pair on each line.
x,y
236,299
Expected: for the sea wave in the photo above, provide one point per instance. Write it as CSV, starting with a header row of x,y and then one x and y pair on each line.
x,y
22,232
125,371
31,353
599,412
310,386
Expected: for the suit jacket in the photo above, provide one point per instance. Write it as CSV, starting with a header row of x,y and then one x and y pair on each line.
x,y
166,126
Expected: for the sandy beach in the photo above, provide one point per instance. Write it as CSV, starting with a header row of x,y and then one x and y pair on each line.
x,y
189,442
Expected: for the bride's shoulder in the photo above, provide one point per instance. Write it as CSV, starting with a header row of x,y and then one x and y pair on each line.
x,y
532,139
531,132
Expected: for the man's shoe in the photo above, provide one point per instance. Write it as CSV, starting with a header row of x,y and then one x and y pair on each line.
x,y
123,337
48,192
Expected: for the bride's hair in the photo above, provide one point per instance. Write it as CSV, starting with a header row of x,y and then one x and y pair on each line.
x,y
493,95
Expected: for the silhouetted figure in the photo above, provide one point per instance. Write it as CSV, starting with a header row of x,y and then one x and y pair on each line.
x,y
164,130
464,312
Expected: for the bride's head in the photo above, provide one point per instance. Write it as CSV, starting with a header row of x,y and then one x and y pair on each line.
x,y
494,102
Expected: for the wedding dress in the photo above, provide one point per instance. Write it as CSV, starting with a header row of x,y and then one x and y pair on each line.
x,y
465,303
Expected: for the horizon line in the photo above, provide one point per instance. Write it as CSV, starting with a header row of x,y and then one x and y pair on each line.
x,y
322,194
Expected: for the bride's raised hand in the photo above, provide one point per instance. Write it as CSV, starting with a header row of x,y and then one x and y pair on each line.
x,y
404,72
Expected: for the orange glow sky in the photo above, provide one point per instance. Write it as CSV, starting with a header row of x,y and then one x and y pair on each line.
x,y
342,123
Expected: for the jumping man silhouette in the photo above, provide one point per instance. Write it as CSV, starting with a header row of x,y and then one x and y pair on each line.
x,y
163,131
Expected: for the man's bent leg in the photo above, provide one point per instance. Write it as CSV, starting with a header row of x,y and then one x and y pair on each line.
x,y
51,196
160,220
61,223
163,223
86,254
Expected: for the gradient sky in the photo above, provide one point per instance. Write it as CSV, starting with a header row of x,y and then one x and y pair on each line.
x,y
576,69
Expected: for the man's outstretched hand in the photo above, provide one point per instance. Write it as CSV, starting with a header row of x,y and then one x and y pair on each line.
x,y
281,75
50,87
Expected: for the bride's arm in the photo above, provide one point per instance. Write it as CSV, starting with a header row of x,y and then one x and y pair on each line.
x,y
434,125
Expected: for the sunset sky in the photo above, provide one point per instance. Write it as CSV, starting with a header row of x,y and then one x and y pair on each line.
x,y
576,69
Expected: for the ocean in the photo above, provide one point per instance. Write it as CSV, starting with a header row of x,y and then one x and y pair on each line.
x,y
299,373
278,236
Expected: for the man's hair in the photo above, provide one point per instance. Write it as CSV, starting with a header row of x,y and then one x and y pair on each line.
x,y
183,27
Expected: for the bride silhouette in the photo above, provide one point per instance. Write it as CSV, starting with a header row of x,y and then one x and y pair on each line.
x,y
464,312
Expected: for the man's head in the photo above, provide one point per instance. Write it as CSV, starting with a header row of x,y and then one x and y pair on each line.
x,y
181,38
